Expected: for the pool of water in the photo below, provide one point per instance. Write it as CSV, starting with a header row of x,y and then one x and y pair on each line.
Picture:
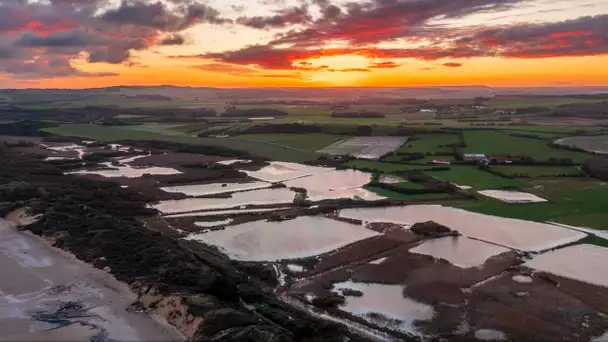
x,y
127,171
226,212
302,237
210,224
283,171
508,232
335,184
256,197
459,251
396,311
586,263
215,188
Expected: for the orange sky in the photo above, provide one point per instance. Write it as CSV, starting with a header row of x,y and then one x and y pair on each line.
x,y
531,43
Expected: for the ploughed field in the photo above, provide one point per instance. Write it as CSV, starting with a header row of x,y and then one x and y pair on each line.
x,y
387,269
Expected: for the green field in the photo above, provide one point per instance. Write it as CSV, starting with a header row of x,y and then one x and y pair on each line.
x,y
308,142
473,177
535,101
535,171
384,167
424,143
572,202
156,132
398,196
500,143
130,116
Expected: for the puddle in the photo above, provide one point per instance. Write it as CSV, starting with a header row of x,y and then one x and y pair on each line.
x,y
335,184
459,251
295,268
216,188
271,241
508,232
126,171
568,262
512,196
283,171
257,197
377,261
490,335
234,161
522,279
462,187
58,158
385,305
209,224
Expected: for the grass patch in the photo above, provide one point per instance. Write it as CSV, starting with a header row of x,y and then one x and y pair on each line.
x,y
572,202
131,116
424,143
501,143
383,167
536,171
111,133
472,176
307,142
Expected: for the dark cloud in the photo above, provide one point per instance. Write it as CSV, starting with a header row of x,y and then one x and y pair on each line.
x,y
283,18
452,65
383,65
158,16
174,39
57,39
44,36
585,36
385,20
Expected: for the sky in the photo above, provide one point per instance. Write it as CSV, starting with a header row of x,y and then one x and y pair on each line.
x,y
303,43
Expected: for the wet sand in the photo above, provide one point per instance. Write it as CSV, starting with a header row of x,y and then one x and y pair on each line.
x,y
39,278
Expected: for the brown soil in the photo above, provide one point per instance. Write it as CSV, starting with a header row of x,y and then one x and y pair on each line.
x,y
21,218
174,311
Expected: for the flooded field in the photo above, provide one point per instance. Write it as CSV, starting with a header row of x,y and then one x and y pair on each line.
x,y
45,282
126,171
512,233
255,197
586,263
459,251
270,241
597,143
512,196
215,188
283,171
335,184
385,305
365,147
225,212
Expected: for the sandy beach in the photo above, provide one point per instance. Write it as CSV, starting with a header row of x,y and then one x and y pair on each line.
x,y
48,295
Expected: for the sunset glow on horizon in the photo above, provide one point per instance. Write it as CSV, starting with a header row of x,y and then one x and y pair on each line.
x,y
303,43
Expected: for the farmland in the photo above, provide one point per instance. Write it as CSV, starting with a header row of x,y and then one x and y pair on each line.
x,y
501,143
475,178
282,223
